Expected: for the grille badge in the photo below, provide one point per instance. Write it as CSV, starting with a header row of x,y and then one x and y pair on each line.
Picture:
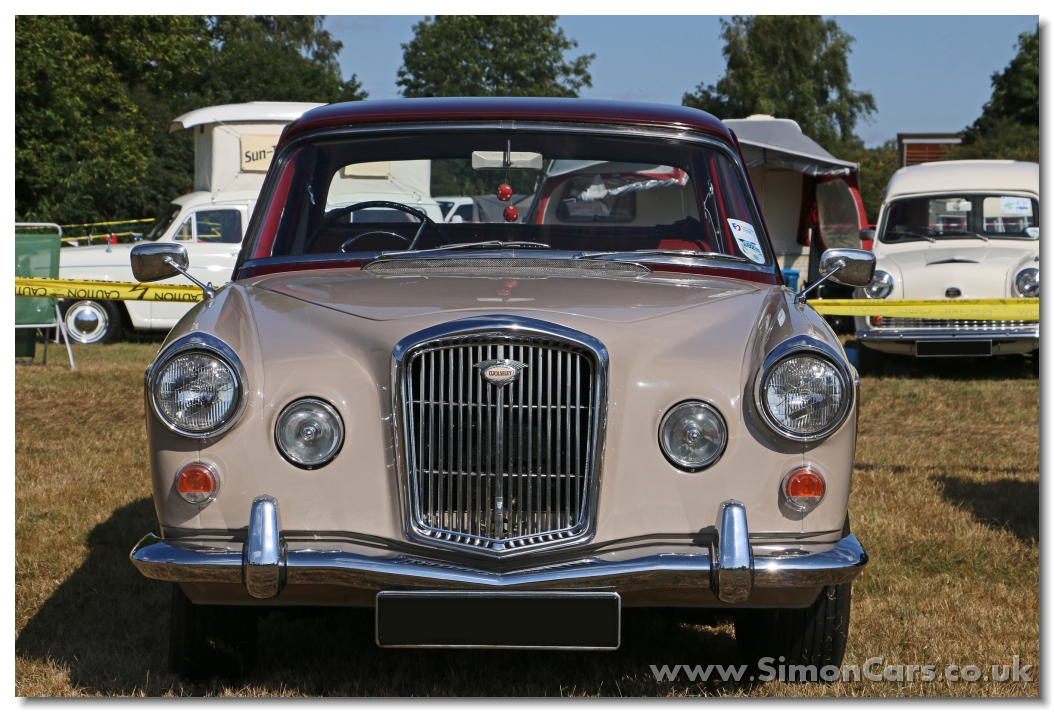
x,y
501,372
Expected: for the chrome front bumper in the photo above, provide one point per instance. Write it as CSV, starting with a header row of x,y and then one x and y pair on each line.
x,y
265,565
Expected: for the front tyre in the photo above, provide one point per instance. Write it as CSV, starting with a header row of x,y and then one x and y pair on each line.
x,y
211,641
800,636
93,322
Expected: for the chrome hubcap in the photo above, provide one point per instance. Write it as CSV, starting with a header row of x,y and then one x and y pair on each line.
x,y
87,322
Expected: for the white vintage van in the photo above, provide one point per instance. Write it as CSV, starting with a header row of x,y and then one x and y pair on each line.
x,y
233,146
955,230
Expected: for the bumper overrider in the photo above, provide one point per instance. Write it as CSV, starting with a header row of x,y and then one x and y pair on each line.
x,y
265,565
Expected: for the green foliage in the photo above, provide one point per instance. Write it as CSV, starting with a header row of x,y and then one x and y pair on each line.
x,y
94,96
1015,90
791,67
284,58
1008,127
1001,139
494,55
80,141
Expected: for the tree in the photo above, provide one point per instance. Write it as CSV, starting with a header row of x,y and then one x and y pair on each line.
x,y
791,67
94,96
495,55
82,144
1008,127
275,58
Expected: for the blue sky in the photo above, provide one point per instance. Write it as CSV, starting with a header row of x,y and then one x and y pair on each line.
x,y
926,73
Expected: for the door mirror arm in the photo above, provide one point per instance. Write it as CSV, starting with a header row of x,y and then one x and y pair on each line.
x,y
210,292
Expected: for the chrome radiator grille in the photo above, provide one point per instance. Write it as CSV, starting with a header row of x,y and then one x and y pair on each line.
x,y
501,468
896,322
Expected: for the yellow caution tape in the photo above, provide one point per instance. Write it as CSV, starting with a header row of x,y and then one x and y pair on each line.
x,y
1002,309
98,289
113,222
1012,309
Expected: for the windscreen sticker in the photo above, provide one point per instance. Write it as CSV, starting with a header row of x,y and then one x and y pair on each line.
x,y
747,240
958,206
1032,231
1015,206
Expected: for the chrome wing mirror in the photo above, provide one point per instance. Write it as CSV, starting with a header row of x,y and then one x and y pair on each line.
x,y
854,268
152,262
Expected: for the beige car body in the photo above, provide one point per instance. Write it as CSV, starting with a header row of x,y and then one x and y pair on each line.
x,y
669,339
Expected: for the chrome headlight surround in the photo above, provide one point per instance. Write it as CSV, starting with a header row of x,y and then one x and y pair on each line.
x,y
881,285
211,346
804,346
1026,283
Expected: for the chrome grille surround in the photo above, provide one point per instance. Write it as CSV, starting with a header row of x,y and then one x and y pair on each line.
x,y
898,322
546,429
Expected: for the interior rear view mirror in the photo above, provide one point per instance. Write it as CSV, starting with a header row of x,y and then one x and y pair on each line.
x,y
506,160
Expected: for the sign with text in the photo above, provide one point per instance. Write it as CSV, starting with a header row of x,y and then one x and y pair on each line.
x,y
257,150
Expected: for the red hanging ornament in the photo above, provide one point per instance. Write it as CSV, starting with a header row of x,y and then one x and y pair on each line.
x,y
504,192
511,213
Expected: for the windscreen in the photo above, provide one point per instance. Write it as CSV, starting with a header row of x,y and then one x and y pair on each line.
x,y
574,192
962,215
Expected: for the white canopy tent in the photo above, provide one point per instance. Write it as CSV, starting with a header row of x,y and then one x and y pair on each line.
x,y
805,192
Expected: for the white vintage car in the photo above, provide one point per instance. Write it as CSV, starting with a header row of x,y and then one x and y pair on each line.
x,y
955,230
500,433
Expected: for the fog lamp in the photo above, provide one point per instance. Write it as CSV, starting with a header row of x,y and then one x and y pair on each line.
x,y
309,433
692,435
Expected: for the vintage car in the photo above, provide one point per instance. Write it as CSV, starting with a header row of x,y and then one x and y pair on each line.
x,y
498,434
955,230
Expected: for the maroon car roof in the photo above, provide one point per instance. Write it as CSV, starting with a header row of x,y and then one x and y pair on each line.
x,y
355,113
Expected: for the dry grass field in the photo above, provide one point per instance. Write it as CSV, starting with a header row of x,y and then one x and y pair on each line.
x,y
946,500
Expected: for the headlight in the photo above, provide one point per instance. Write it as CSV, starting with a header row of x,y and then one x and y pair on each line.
x,y
692,435
804,396
196,387
309,433
881,285
1026,283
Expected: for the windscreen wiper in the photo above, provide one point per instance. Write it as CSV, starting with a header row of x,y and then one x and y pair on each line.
x,y
487,245
964,233
670,253
911,234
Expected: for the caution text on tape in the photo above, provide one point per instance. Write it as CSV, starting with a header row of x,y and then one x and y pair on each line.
x,y
1002,309
97,289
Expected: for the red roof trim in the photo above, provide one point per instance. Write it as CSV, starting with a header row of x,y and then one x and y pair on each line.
x,y
355,113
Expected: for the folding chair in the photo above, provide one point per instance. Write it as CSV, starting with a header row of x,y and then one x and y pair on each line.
x,y
37,255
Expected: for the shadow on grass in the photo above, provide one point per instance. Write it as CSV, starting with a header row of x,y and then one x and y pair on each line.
x,y
108,625
1006,503
991,368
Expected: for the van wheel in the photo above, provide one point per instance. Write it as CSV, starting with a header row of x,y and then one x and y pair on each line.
x,y
211,641
801,636
92,322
